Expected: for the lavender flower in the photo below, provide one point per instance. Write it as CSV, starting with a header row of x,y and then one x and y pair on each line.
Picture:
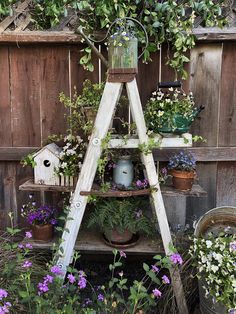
x,y
155,269
29,246
42,287
182,161
165,279
142,184
100,297
157,293
27,264
48,279
28,234
3,294
176,259
71,278
5,308
82,280
21,246
122,254
56,270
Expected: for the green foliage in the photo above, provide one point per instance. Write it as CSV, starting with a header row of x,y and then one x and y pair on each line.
x,y
166,21
120,214
28,161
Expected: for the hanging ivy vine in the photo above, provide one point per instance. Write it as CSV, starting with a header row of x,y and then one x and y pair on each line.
x,y
167,21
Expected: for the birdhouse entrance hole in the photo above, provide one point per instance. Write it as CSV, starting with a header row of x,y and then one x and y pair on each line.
x,y
46,163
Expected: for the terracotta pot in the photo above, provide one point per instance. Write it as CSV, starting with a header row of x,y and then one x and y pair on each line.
x,y
42,232
119,237
183,180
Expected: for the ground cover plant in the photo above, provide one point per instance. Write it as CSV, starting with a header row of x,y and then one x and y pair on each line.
x,y
30,285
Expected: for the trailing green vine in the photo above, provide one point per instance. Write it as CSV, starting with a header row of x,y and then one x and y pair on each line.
x,y
167,21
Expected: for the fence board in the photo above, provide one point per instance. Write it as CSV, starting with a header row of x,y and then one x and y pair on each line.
x,y
5,106
226,184
205,76
227,128
54,64
25,95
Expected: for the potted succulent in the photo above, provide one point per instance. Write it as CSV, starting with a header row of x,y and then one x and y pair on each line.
x,y
182,167
120,219
170,112
41,218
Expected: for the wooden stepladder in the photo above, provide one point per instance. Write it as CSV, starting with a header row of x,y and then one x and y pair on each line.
x,y
106,109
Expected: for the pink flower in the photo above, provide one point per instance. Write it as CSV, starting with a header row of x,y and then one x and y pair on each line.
x,y
122,254
157,293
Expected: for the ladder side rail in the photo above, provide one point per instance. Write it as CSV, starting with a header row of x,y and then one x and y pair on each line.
x,y
109,100
137,114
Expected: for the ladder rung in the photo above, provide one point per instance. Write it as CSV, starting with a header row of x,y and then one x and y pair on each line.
x,y
116,193
175,141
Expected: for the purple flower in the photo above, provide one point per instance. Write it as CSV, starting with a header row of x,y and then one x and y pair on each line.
x,y
176,259
155,269
3,294
122,254
232,246
42,287
48,279
164,171
100,297
27,264
232,311
71,278
53,221
157,293
28,234
165,279
28,246
82,280
56,270
5,308
139,184
21,246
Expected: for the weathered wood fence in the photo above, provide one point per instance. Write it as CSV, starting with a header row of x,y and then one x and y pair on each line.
x,y
32,74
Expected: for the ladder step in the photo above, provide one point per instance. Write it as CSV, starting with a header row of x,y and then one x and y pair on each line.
x,y
116,193
185,140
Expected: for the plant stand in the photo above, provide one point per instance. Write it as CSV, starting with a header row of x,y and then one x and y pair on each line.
x,y
108,104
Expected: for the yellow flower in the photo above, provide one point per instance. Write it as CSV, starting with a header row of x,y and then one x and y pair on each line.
x,y
114,304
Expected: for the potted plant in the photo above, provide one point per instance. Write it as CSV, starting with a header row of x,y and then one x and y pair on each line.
x,y
41,218
170,112
119,219
182,167
215,256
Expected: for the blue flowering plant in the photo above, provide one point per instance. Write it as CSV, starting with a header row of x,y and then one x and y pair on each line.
x,y
183,161
38,215
215,260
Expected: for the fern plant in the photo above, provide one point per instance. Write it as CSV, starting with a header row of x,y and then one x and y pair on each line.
x,y
120,215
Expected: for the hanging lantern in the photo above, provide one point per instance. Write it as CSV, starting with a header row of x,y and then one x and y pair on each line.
x,y
123,47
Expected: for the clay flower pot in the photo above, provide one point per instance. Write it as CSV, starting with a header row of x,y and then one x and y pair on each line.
x,y
183,180
42,232
115,236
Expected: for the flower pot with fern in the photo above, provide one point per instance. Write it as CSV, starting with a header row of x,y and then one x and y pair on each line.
x,y
182,167
119,219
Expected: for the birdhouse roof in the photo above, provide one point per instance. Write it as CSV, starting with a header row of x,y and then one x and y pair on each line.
x,y
52,148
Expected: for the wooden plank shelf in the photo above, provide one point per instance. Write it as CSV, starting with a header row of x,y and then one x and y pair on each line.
x,y
91,242
29,185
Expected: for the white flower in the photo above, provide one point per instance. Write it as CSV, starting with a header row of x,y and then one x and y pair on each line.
x,y
218,257
214,268
208,243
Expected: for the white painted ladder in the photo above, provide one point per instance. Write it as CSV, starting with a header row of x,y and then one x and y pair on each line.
x,y
106,109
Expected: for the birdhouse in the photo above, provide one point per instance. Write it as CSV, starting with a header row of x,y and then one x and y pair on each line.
x,y
47,159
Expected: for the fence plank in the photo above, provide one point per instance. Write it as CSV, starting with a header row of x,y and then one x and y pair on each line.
x,y
54,79
5,105
226,184
205,83
25,95
227,129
